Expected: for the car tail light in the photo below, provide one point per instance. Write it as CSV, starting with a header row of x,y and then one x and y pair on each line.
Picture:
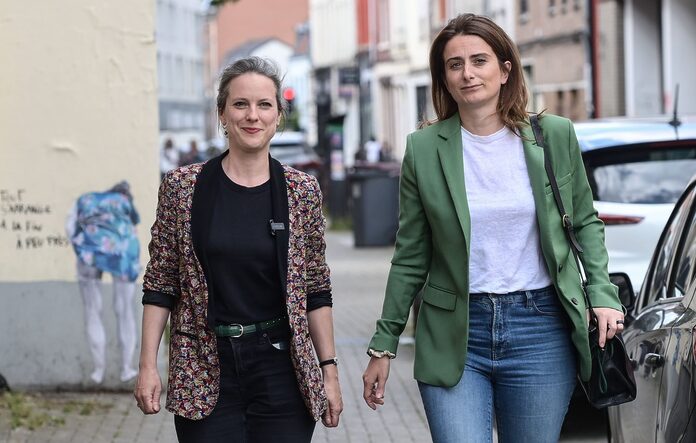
x,y
614,219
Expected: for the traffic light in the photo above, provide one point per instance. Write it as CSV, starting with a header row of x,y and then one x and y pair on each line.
x,y
289,96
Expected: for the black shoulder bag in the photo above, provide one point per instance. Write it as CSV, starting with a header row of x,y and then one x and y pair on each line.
x,y
612,381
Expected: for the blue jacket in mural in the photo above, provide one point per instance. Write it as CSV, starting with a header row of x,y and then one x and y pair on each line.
x,y
104,235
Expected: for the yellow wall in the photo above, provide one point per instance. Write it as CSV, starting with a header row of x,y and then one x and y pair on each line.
x,y
78,113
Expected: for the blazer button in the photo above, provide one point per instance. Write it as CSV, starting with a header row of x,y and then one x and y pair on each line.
x,y
574,301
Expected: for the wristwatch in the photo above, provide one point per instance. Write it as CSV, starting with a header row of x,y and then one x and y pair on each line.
x,y
379,354
331,361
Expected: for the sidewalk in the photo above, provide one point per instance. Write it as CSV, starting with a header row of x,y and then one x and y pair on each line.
x,y
359,277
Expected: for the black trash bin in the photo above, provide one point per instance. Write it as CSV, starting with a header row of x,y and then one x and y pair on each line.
x,y
375,204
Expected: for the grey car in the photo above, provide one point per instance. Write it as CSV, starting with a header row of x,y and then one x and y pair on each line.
x,y
659,336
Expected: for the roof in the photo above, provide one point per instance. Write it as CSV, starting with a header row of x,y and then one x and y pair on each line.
x,y
598,134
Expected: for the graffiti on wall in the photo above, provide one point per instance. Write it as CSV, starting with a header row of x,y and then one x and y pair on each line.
x,y
24,219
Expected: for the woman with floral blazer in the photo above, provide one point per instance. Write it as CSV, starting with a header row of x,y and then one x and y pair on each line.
x,y
234,379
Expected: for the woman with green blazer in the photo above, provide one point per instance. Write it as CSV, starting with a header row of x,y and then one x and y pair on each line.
x,y
502,330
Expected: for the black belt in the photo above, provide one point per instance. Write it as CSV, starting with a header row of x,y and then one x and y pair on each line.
x,y
236,330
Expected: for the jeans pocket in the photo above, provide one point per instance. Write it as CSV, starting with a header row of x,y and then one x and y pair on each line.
x,y
277,344
547,304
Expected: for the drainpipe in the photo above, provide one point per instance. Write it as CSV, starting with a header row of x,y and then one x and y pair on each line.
x,y
593,14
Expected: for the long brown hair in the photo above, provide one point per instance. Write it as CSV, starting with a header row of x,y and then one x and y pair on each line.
x,y
512,101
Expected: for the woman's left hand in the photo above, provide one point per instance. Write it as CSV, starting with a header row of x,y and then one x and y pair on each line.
x,y
333,394
609,322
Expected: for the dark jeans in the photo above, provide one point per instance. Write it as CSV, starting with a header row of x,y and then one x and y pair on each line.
x,y
259,397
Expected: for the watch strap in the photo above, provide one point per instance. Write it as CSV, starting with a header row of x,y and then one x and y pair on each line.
x,y
331,361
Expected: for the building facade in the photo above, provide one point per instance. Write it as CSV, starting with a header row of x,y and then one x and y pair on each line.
x,y
553,39
181,43
660,53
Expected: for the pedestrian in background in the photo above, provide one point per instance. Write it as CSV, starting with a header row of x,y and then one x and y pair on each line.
x,y
192,156
169,157
502,329
237,259
373,150
101,228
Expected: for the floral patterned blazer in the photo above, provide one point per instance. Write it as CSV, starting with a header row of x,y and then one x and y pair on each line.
x,y
178,267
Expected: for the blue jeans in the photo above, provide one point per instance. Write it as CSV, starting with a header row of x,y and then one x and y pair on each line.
x,y
520,365
259,401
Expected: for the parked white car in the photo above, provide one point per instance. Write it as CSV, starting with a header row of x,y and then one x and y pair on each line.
x,y
637,171
290,148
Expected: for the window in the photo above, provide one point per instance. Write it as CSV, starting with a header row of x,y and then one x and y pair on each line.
x,y
421,104
560,109
383,30
685,264
658,279
524,11
552,7
524,7
640,174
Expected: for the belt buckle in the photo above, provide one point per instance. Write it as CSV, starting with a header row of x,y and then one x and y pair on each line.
x,y
241,330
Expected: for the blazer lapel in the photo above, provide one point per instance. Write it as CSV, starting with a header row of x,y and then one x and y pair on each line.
x,y
279,197
202,206
452,161
534,157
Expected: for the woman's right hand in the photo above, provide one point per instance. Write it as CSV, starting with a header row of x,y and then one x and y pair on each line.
x,y
147,392
374,380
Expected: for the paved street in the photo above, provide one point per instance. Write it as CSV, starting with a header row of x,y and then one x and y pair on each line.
x,y
359,277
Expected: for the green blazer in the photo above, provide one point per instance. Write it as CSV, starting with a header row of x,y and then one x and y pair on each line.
x,y
432,246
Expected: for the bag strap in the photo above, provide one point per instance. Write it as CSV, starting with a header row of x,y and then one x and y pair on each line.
x,y
567,222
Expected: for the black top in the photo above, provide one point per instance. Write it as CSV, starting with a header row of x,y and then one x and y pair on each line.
x,y
240,253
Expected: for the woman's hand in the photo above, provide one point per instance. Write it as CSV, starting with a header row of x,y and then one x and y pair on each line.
x,y
609,322
374,380
333,394
147,391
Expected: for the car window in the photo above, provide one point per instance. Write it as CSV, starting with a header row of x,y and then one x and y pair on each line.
x,y
686,262
641,174
286,151
658,275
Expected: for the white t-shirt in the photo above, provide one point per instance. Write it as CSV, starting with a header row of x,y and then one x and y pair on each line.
x,y
506,252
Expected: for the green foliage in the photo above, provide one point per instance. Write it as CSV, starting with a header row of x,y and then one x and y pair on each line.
x,y
26,413
34,411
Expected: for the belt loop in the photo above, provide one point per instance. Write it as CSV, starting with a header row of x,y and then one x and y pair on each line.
x,y
259,333
528,298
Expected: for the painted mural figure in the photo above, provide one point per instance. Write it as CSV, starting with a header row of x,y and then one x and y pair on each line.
x,y
101,228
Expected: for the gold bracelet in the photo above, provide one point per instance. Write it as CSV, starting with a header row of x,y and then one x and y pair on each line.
x,y
379,354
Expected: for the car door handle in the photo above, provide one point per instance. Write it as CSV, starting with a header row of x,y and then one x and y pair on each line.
x,y
654,360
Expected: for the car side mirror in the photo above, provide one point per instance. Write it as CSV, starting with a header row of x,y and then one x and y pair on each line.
x,y
626,293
